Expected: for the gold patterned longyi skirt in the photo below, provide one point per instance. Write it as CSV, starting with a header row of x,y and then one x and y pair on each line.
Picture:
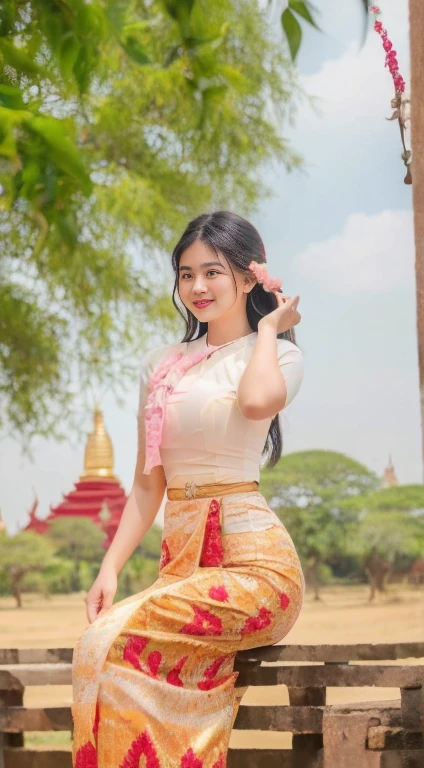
x,y
153,677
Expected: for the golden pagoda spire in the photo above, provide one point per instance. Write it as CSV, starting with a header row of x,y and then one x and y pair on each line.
x,y
389,478
98,456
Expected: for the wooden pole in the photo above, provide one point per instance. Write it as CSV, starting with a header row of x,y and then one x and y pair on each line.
x,y
416,27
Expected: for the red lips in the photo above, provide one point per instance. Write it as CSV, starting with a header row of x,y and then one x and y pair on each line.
x,y
201,304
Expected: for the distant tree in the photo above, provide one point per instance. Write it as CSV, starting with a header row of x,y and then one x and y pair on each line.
x,y
119,121
389,528
142,568
137,574
306,490
78,540
23,554
150,545
58,576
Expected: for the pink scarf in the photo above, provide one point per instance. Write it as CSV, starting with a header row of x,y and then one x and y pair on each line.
x,y
162,381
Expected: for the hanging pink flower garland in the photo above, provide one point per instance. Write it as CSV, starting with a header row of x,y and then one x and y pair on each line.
x,y
391,60
398,104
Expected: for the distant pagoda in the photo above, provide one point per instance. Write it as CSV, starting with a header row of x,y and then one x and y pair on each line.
x,y
35,524
389,479
98,494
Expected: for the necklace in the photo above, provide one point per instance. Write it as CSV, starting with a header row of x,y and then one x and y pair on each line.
x,y
216,346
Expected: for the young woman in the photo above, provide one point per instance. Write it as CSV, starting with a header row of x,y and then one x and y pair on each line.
x,y
153,677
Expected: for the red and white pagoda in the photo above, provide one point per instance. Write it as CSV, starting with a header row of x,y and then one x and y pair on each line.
x,y
97,495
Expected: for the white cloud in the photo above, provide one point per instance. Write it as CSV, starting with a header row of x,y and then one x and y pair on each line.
x,y
373,254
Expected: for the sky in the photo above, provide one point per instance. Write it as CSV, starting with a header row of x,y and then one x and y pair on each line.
x,y
340,234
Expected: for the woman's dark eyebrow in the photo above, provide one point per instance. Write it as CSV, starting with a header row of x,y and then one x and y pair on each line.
x,y
206,264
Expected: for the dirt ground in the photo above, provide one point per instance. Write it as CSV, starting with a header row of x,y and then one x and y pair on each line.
x,y
344,615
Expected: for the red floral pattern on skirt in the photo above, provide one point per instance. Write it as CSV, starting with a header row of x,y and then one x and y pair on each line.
x,y
142,745
204,623
210,680
212,605
254,623
173,677
86,756
165,556
219,593
212,550
96,720
134,647
189,760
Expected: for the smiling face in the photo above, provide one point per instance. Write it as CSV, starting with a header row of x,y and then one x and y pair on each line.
x,y
206,277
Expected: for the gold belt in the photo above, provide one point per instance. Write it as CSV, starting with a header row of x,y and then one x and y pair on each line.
x,y
193,491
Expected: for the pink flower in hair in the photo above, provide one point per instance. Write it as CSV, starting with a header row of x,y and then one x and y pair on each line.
x,y
269,283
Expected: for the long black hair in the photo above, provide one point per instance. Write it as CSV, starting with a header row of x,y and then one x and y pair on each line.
x,y
239,241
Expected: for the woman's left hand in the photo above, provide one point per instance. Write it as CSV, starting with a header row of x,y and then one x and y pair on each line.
x,y
285,316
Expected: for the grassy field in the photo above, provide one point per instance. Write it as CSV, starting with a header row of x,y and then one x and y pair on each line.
x,y
344,615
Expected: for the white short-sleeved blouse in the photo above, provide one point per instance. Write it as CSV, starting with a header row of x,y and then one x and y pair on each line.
x,y
205,436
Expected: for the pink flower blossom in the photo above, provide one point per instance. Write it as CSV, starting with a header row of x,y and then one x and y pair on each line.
x,y
391,60
262,275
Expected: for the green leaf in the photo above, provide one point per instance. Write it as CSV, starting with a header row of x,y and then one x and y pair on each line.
x,y
63,152
293,31
18,58
7,144
135,50
239,82
29,177
137,26
68,231
9,118
301,8
11,97
180,10
8,15
68,55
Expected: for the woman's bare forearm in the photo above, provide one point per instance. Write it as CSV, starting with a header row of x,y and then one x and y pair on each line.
x,y
137,517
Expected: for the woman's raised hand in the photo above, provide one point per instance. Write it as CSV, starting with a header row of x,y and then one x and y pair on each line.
x,y
285,316
100,597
